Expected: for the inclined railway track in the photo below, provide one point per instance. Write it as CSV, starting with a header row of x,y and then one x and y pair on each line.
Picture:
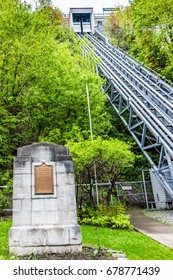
x,y
137,90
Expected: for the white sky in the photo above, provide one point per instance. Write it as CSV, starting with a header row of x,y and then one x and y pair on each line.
x,y
98,5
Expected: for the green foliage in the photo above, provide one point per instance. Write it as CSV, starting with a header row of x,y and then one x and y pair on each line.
x,y
110,156
121,221
5,197
119,26
3,201
32,256
43,82
145,29
112,216
5,226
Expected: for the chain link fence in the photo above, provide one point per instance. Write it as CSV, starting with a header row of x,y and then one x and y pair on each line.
x,y
134,193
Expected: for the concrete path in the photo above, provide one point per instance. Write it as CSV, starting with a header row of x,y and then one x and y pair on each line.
x,y
154,229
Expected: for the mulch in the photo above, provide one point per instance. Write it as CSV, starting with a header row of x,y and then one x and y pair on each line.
x,y
88,253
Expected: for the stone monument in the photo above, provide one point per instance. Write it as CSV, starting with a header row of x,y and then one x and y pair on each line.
x,y
44,202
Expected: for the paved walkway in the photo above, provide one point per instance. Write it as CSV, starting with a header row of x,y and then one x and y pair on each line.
x,y
156,230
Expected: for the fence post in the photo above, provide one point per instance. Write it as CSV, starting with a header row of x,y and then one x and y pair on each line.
x,y
145,191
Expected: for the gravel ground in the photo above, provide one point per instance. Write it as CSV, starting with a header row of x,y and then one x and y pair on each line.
x,y
165,216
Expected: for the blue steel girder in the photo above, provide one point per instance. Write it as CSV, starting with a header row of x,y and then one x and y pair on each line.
x,y
123,107
164,167
148,118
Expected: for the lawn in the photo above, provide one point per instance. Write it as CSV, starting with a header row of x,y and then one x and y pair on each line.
x,y
4,228
134,245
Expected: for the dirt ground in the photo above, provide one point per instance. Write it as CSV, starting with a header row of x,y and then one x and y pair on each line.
x,y
88,253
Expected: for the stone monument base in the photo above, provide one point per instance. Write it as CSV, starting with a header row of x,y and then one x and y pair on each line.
x,y
44,202
44,239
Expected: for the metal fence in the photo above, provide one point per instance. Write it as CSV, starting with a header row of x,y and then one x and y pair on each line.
x,y
137,193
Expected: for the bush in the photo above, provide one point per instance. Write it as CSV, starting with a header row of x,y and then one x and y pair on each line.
x,y
112,216
3,201
5,198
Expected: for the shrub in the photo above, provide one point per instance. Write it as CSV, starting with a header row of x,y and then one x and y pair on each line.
x,y
112,216
5,198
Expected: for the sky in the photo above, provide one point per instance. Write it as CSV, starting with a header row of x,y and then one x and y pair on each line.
x,y
98,5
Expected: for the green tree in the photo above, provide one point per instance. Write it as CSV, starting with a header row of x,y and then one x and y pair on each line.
x,y
153,25
145,29
111,158
119,26
43,82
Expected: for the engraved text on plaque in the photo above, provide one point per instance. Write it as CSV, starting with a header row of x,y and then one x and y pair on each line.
x,y
44,179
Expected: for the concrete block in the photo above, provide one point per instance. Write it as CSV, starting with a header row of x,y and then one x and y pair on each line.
x,y
69,179
33,237
26,205
39,250
70,189
38,205
67,217
38,218
71,203
63,158
21,218
22,165
60,167
57,236
61,192
43,151
17,204
75,235
62,203
44,236
69,166
45,218
14,236
51,204
66,203
52,218
60,179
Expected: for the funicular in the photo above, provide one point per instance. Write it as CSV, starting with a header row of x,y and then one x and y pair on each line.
x,y
82,20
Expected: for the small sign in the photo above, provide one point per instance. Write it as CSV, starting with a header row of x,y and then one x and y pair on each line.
x,y
127,188
109,9
44,179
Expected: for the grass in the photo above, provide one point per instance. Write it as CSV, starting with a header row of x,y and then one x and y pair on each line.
x,y
4,228
134,245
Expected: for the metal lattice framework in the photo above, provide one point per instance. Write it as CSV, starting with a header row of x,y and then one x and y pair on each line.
x,y
143,101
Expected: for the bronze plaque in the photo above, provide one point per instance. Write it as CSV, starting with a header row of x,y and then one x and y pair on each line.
x,y
44,179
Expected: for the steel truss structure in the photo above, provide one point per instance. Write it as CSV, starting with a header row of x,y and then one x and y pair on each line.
x,y
143,101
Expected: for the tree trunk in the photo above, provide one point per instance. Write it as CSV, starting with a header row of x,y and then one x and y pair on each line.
x,y
110,190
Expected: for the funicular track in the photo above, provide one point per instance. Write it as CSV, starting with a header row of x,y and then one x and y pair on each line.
x,y
144,103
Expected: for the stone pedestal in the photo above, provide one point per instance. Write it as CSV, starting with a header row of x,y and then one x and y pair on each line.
x,y
44,202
